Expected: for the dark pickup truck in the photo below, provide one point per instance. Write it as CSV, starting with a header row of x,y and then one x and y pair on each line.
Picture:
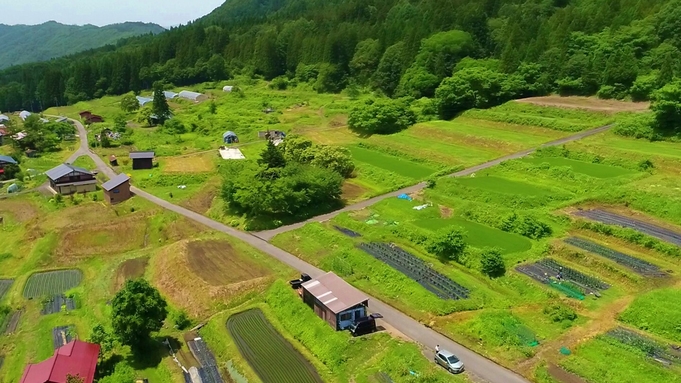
x,y
296,283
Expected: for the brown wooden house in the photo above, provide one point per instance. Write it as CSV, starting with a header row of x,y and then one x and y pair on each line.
x,y
334,300
90,118
69,179
117,189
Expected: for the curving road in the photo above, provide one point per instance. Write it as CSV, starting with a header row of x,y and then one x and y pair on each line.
x,y
269,234
479,368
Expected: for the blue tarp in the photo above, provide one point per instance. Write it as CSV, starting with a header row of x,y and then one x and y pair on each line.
x,y
404,196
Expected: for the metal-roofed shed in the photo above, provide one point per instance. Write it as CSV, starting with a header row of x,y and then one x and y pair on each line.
x,y
142,160
117,189
335,300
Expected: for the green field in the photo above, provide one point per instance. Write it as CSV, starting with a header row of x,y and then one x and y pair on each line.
x,y
391,163
51,283
5,284
656,312
480,236
601,360
503,185
258,342
590,169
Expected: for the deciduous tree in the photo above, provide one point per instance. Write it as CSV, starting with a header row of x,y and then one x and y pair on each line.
x,y
492,263
447,243
137,311
129,103
381,116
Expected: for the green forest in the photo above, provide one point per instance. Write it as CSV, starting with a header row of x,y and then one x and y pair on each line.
x,y
462,53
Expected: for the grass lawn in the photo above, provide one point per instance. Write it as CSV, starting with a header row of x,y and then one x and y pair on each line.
x,y
503,185
599,360
656,312
390,163
480,236
590,169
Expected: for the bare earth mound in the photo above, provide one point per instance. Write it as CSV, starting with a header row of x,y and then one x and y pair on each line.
x,y
130,269
588,103
218,264
198,276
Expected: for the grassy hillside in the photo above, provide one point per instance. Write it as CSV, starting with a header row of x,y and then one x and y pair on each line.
x,y
28,43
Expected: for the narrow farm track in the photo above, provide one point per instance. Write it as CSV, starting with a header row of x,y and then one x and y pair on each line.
x,y
269,234
479,368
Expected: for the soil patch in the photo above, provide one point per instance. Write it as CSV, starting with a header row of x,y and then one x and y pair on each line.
x,y
588,103
564,376
203,200
21,211
352,192
218,264
445,212
130,269
111,238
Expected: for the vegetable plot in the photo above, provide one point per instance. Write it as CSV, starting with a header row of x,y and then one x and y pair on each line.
x,y
272,357
208,371
51,283
662,353
5,284
638,265
644,227
416,269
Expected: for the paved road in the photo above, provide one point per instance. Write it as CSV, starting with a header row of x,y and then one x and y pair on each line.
x,y
479,368
269,234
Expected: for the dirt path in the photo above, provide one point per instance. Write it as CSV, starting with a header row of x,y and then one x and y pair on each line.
x,y
602,321
269,234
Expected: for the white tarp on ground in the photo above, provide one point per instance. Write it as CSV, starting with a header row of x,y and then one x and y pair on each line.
x,y
231,154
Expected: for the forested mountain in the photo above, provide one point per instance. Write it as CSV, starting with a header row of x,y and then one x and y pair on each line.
x,y
617,48
21,44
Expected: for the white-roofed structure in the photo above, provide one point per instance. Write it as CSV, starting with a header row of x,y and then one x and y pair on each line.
x,y
231,153
189,95
24,115
3,118
169,94
44,120
227,88
144,100
334,300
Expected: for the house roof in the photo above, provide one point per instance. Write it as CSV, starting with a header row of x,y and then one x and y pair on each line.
x,y
142,155
64,169
8,159
116,181
189,94
75,358
334,293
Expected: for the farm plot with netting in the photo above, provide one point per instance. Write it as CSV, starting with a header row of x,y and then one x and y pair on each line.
x,y
56,303
208,372
644,227
665,354
416,269
51,283
348,232
62,335
5,284
638,265
258,342
9,325
544,275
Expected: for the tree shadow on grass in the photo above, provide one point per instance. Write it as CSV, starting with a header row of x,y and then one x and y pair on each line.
x,y
150,353
107,366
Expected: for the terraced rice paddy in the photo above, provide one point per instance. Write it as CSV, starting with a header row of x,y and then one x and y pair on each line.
x,y
644,227
590,169
390,163
480,236
51,283
272,357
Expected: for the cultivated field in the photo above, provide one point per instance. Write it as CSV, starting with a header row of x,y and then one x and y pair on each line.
x,y
257,341
129,269
51,283
587,103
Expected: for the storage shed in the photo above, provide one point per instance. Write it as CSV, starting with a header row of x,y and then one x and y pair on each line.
x,y
189,95
117,189
335,300
69,179
142,160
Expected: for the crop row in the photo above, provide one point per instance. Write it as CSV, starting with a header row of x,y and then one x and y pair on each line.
x,y
55,304
5,284
208,371
638,265
51,283
258,342
348,232
541,273
643,227
586,281
651,347
416,269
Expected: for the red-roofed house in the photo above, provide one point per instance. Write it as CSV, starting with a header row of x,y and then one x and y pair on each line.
x,y
75,358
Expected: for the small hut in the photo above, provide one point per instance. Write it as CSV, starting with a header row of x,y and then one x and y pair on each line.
x,y
113,161
230,137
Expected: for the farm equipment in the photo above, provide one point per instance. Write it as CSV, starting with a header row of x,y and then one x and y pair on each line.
x,y
297,283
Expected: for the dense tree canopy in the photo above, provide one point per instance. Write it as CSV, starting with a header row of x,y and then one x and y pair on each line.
x,y
615,48
136,311
381,116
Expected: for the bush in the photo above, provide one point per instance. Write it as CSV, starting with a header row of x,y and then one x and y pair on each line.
x,y
636,126
447,243
492,263
181,320
526,226
645,165
279,83
559,313
381,116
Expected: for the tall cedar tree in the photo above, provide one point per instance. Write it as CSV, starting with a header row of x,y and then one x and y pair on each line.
x,y
160,106
272,157
137,311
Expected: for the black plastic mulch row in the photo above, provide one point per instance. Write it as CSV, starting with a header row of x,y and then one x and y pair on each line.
x,y
55,304
644,227
348,232
61,335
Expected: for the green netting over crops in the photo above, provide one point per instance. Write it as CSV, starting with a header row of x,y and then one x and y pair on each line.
x,y
567,290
